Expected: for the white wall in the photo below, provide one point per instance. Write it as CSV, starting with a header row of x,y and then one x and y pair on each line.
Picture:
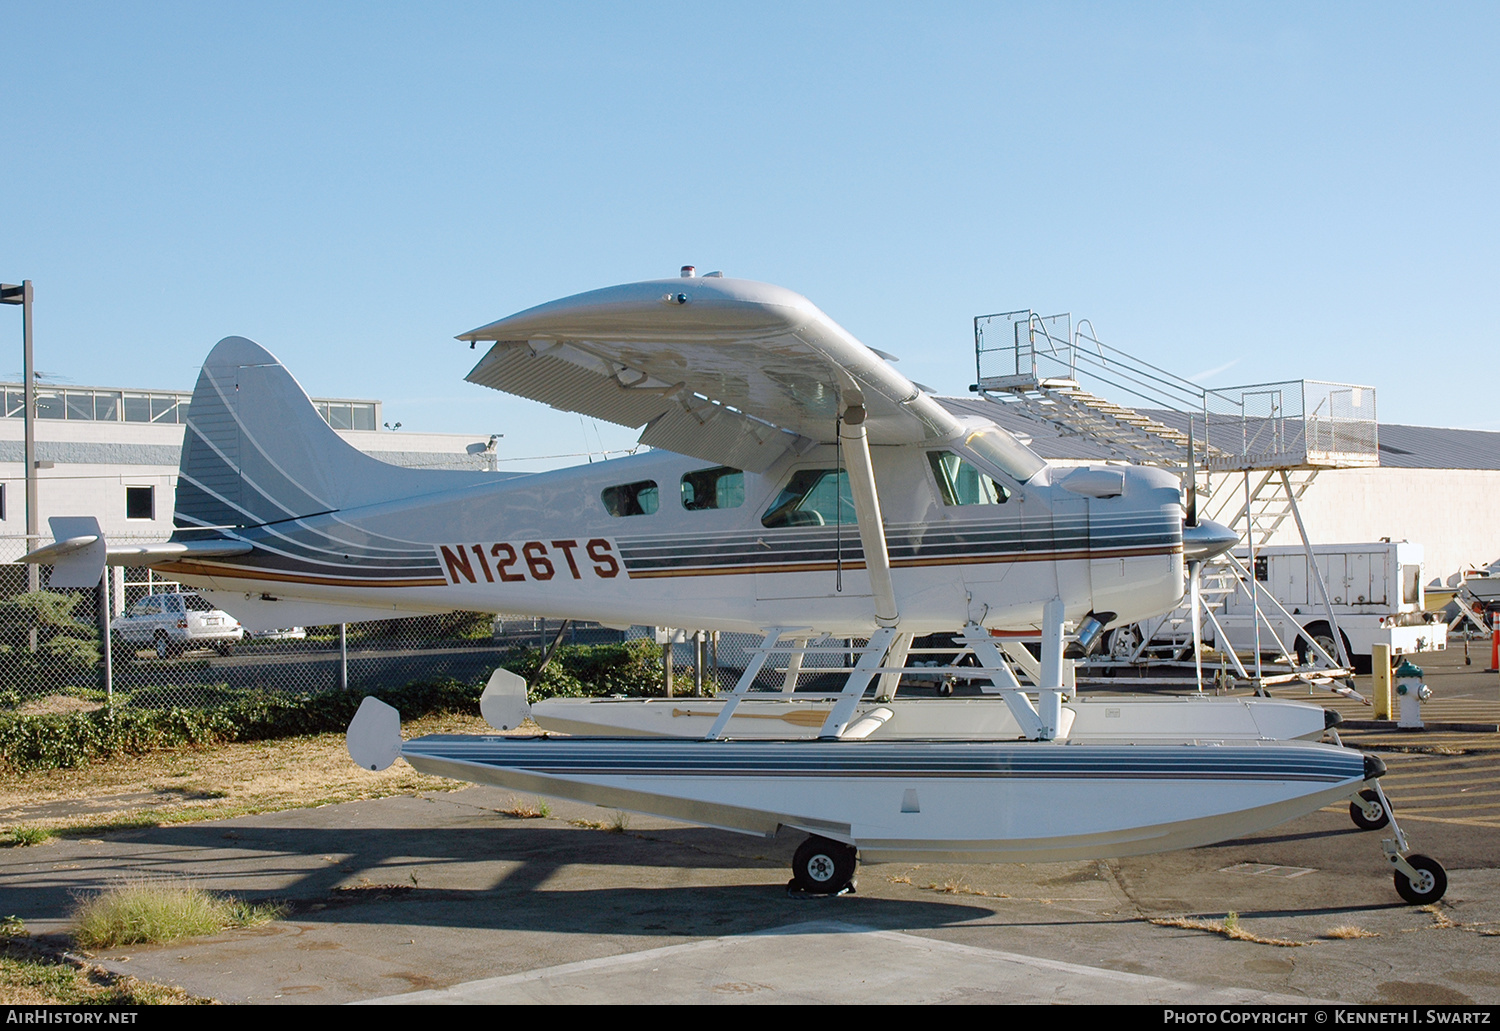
x,y
1453,513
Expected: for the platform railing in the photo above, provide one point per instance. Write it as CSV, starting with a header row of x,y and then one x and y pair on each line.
x,y
1283,424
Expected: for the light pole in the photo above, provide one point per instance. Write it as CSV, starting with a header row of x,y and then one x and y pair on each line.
x,y
12,294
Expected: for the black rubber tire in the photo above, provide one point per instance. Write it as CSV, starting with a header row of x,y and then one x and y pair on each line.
x,y
162,645
225,648
1432,887
1362,821
822,866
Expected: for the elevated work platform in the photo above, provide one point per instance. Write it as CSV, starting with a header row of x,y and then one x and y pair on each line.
x,y
1059,374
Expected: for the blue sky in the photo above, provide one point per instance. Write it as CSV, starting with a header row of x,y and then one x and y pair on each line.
x,y
1245,191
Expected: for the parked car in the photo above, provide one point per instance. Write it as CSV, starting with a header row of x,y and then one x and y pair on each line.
x,y
173,623
286,633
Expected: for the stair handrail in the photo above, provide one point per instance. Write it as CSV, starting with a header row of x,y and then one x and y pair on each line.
x,y
1034,321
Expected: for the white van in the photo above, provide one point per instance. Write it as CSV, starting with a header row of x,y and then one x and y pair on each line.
x,y
1375,591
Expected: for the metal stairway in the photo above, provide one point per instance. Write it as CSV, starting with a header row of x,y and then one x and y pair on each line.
x,y
1073,411
1268,504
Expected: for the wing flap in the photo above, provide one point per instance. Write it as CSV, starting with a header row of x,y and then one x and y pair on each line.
x,y
715,433
517,367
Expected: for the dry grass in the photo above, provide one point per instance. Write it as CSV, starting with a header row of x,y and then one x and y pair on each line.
x,y
952,887
523,810
1229,928
1346,932
153,912
57,703
31,980
216,782
619,825
1442,921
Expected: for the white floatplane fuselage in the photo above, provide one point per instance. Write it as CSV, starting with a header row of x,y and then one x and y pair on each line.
x,y
802,486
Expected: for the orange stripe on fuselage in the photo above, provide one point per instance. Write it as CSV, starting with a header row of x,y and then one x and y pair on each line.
x,y
906,563
247,573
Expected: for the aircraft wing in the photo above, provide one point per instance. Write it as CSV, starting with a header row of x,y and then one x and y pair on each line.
x,y
726,370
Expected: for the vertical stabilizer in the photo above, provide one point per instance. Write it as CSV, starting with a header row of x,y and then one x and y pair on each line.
x,y
256,451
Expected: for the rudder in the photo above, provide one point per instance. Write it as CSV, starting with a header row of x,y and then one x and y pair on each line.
x,y
256,451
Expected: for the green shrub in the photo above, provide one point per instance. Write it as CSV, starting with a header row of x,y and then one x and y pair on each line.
x,y
62,740
66,648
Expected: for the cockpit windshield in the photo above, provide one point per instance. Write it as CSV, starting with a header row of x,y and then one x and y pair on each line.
x,y
1005,452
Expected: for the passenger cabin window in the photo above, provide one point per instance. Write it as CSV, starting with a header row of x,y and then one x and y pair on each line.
x,y
631,499
720,487
960,483
812,497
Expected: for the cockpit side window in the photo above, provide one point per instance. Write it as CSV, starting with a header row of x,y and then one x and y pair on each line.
x,y
812,497
1008,454
720,487
631,499
961,483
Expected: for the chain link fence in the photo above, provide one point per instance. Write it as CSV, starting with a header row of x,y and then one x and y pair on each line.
x,y
51,659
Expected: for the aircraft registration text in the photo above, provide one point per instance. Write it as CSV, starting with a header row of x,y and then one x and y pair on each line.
x,y
519,561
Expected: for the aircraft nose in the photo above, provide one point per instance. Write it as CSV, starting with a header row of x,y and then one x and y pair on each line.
x,y
1206,540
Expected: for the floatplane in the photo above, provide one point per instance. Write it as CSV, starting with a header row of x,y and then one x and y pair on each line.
x,y
798,487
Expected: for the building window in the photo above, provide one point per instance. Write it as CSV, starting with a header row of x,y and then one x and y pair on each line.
x,y
140,502
50,405
137,407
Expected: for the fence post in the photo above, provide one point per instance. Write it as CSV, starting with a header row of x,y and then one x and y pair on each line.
x,y
103,609
666,663
343,657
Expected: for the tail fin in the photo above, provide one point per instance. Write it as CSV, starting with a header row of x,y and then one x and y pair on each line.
x,y
256,451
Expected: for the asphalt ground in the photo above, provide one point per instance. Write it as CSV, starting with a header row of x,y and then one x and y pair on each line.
x,y
446,897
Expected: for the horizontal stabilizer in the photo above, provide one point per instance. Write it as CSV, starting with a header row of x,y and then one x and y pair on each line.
x,y
78,560
79,546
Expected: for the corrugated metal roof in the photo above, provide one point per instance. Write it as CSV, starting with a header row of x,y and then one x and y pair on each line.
x,y
1401,447
1433,447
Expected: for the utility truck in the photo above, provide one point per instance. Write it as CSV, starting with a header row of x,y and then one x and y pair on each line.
x,y
1375,592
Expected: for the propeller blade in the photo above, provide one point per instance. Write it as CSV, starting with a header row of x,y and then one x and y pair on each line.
x,y
1194,582
1191,513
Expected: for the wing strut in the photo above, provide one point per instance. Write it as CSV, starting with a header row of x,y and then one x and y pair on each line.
x,y
752,670
867,511
985,650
